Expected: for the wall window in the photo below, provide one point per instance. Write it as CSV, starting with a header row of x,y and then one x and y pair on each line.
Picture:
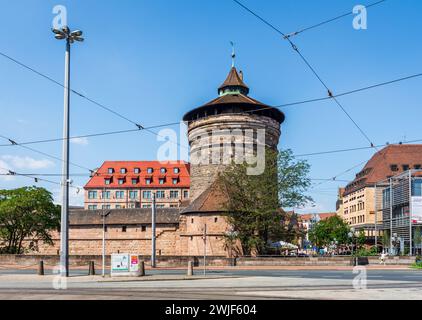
x,y
120,194
417,166
92,194
143,228
124,229
186,194
174,194
133,195
118,206
160,206
137,171
92,207
106,206
146,206
146,194
176,170
406,167
417,188
160,194
106,194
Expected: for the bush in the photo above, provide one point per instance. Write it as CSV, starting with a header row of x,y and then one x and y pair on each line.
x,y
367,252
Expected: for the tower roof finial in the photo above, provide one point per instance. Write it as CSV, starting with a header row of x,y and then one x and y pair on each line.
x,y
233,54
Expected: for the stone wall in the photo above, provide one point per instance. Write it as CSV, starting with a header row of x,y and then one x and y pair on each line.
x,y
183,239
208,134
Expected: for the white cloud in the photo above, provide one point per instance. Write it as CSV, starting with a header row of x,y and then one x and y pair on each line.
x,y
26,162
4,169
80,141
75,198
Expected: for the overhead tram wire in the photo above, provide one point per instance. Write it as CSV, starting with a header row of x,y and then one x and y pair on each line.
x,y
247,111
296,49
293,34
13,142
90,135
170,124
139,126
36,179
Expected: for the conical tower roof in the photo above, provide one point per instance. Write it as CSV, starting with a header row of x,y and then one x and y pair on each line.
x,y
234,81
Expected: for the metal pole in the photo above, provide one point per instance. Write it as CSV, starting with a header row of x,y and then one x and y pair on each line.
x,y
410,215
64,235
153,213
391,216
205,249
103,244
376,221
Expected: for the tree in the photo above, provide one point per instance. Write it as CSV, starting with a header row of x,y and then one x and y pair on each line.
x,y
254,201
26,213
327,231
361,239
417,238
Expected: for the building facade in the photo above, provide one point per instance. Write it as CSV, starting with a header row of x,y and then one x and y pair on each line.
x,y
131,184
356,203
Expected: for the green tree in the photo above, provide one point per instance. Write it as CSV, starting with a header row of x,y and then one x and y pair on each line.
x,y
327,231
361,239
26,213
417,238
254,201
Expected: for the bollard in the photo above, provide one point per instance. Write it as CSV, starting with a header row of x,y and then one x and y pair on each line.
x,y
190,269
142,269
41,268
91,268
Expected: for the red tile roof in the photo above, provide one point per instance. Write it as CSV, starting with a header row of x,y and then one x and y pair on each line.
x,y
379,167
98,180
322,216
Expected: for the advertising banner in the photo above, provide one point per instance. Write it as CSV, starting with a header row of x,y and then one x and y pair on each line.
x,y
416,205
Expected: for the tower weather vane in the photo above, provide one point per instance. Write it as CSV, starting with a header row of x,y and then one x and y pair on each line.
x,y
233,54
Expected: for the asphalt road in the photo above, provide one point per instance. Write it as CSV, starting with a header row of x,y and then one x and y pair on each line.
x,y
389,275
220,285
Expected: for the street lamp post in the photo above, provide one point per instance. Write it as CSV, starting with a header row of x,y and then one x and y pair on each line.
x,y
70,37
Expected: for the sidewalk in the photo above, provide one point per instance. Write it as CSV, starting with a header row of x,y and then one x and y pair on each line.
x,y
225,268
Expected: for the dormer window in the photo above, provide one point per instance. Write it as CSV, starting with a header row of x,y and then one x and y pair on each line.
x,y
150,170
176,170
163,170
162,180
123,170
135,181
121,181
107,181
110,170
175,181
137,170
148,181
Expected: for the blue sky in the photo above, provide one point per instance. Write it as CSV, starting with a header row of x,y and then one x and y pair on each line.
x,y
155,60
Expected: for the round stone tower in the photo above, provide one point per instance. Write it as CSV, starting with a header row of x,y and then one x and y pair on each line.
x,y
219,130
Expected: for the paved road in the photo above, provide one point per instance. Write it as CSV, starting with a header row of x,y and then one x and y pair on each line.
x,y
223,284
